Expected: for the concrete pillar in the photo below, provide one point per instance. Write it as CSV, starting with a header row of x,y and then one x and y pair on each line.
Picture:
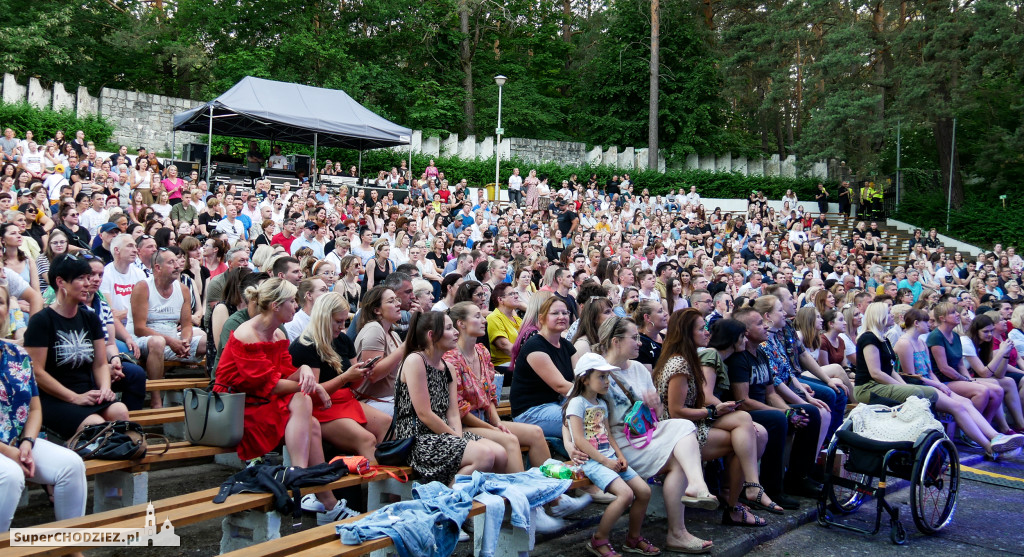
x,y
417,142
755,167
62,100
820,170
771,166
13,92
450,146
119,489
505,149
626,158
379,493
692,162
467,148
611,156
431,146
485,149
661,162
241,530
707,163
723,163
85,104
739,165
789,167
594,156
38,96
640,160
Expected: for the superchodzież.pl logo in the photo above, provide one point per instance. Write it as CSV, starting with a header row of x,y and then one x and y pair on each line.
x,y
147,535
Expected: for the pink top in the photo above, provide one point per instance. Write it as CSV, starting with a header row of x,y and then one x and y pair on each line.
x,y
475,393
173,187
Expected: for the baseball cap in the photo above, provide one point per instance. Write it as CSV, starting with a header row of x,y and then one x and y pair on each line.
x,y
59,169
591,361
108,227
310,225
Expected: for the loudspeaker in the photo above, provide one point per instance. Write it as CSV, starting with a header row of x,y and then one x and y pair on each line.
x,y
299,164
186,167
194,152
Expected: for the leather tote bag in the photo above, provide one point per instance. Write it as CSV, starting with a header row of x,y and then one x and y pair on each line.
x,y
214,419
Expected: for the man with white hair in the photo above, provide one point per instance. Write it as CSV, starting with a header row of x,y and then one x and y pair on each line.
x,y
121,276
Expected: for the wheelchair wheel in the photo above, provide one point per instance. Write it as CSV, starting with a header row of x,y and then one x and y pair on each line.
x,y
844,500
934,485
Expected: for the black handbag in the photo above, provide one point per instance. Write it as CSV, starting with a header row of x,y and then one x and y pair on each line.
x,y
117,440
391,451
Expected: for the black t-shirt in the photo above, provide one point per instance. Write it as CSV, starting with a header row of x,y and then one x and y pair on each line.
x,y
885,354
206,218
570,304
80,239
755,370
565,221
69,344
650,350
306,355
528,389
103,253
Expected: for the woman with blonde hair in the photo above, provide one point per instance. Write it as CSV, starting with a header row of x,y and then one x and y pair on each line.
x,y
348,424
380,266
280,397
349,285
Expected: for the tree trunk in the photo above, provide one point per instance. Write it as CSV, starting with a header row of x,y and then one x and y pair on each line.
x,y
652,119
943,142
466,62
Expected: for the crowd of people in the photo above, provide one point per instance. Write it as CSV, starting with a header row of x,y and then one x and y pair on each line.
x,y
413,299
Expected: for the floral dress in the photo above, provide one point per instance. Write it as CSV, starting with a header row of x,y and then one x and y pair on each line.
x,y
435,457
677,366
17,388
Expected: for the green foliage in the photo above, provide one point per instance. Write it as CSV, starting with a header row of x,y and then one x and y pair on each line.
x,y
45,123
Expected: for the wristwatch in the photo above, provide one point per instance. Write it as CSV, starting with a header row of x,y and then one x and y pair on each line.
x,y
110,358
31,441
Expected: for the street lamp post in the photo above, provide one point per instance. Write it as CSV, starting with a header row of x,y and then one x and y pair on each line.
x,y
500,80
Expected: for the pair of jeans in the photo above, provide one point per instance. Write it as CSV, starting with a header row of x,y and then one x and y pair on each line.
x,y
56,466
836,402
132,386
772,466
547,416
523,491
426,526
515,197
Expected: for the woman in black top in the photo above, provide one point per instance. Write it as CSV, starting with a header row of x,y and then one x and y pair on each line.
x,y
348,424
68,348
876,362
651,318
380,266
543,371
78,236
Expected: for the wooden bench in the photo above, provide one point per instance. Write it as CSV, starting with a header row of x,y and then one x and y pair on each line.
x,y
323,540
123,483
240,513
176,384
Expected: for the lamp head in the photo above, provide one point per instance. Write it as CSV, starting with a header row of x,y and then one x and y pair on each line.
x,y
500,80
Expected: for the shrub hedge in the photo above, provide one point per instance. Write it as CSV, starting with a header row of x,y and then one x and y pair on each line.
x,y
45,122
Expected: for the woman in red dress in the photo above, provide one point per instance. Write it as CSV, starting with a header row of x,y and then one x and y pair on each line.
x,y
279,398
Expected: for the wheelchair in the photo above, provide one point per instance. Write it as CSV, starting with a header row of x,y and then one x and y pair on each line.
x,y
857,467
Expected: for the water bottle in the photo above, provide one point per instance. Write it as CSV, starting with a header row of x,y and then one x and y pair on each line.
x,y
557,470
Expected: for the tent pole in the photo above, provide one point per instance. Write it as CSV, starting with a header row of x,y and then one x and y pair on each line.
x,y
360,171
174,134
316,164
209,149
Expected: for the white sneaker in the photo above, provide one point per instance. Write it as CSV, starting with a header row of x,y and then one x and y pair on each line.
x,y
339,512
1005,443
463,536
545,524
566,505
311,504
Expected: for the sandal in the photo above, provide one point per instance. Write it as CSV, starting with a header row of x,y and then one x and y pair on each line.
x,y
757,502
707,501
640,545
595,548
694,546
727,519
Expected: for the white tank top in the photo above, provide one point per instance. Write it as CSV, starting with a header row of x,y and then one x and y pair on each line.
x,y
142,179
164,313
